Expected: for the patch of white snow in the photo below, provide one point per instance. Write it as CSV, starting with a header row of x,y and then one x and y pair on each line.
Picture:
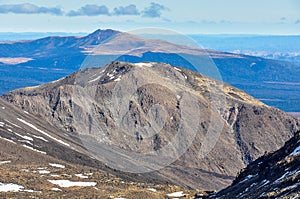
x,y
57,165
296,151
5,162
152,189
68,183
28,147
142,64
44,133
176,194
81,176
10,187
177,69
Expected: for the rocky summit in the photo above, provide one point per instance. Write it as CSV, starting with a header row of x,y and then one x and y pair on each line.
x,y
160,122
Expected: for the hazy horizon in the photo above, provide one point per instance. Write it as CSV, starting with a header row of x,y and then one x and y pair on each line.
x,y
269,17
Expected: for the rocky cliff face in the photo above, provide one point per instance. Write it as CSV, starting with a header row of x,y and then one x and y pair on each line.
x,y
274,175
38,160
153,117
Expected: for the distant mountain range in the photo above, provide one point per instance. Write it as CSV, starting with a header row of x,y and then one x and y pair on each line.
x,y
228,127
279,47
28,63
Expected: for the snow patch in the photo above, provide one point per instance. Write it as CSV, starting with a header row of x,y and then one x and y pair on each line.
x,y
57,165
286,175
24,136
28,147
2,107
55,175
68,183
44,133
26,141
291,187
142,64
55,189
31,191
177,69
5,162
13,124
10,187
81,176
93,80
8,140
118,79
152,189
40,138
110,75
265,182
44,172
296,151
176,194
2,124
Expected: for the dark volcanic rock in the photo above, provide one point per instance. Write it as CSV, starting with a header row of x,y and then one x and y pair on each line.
x,y
274,175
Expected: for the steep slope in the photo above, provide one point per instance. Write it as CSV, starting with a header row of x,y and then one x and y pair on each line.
x,y
195,131
40,160
275,175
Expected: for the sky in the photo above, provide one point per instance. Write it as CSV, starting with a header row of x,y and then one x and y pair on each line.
x,y
276,17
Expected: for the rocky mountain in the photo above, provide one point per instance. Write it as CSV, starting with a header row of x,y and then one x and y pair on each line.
x,y
160,121
29,63
274,175
41,161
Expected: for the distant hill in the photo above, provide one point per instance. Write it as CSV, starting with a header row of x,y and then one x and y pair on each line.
x,y
279,47
224,124
28,63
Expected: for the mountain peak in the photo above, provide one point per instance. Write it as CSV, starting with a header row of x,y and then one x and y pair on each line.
x,y
103,32
98,37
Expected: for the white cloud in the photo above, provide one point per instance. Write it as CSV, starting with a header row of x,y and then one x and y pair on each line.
x,y
28,8
154,10
89,10
126,10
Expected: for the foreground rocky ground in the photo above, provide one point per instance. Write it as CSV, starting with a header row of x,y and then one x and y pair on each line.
x,y
74,181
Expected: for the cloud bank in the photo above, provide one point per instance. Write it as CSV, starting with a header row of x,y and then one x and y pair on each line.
x,y
154,10
28,8
89,10
127,10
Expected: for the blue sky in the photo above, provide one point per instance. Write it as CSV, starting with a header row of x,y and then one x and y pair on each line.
x,y
185,16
